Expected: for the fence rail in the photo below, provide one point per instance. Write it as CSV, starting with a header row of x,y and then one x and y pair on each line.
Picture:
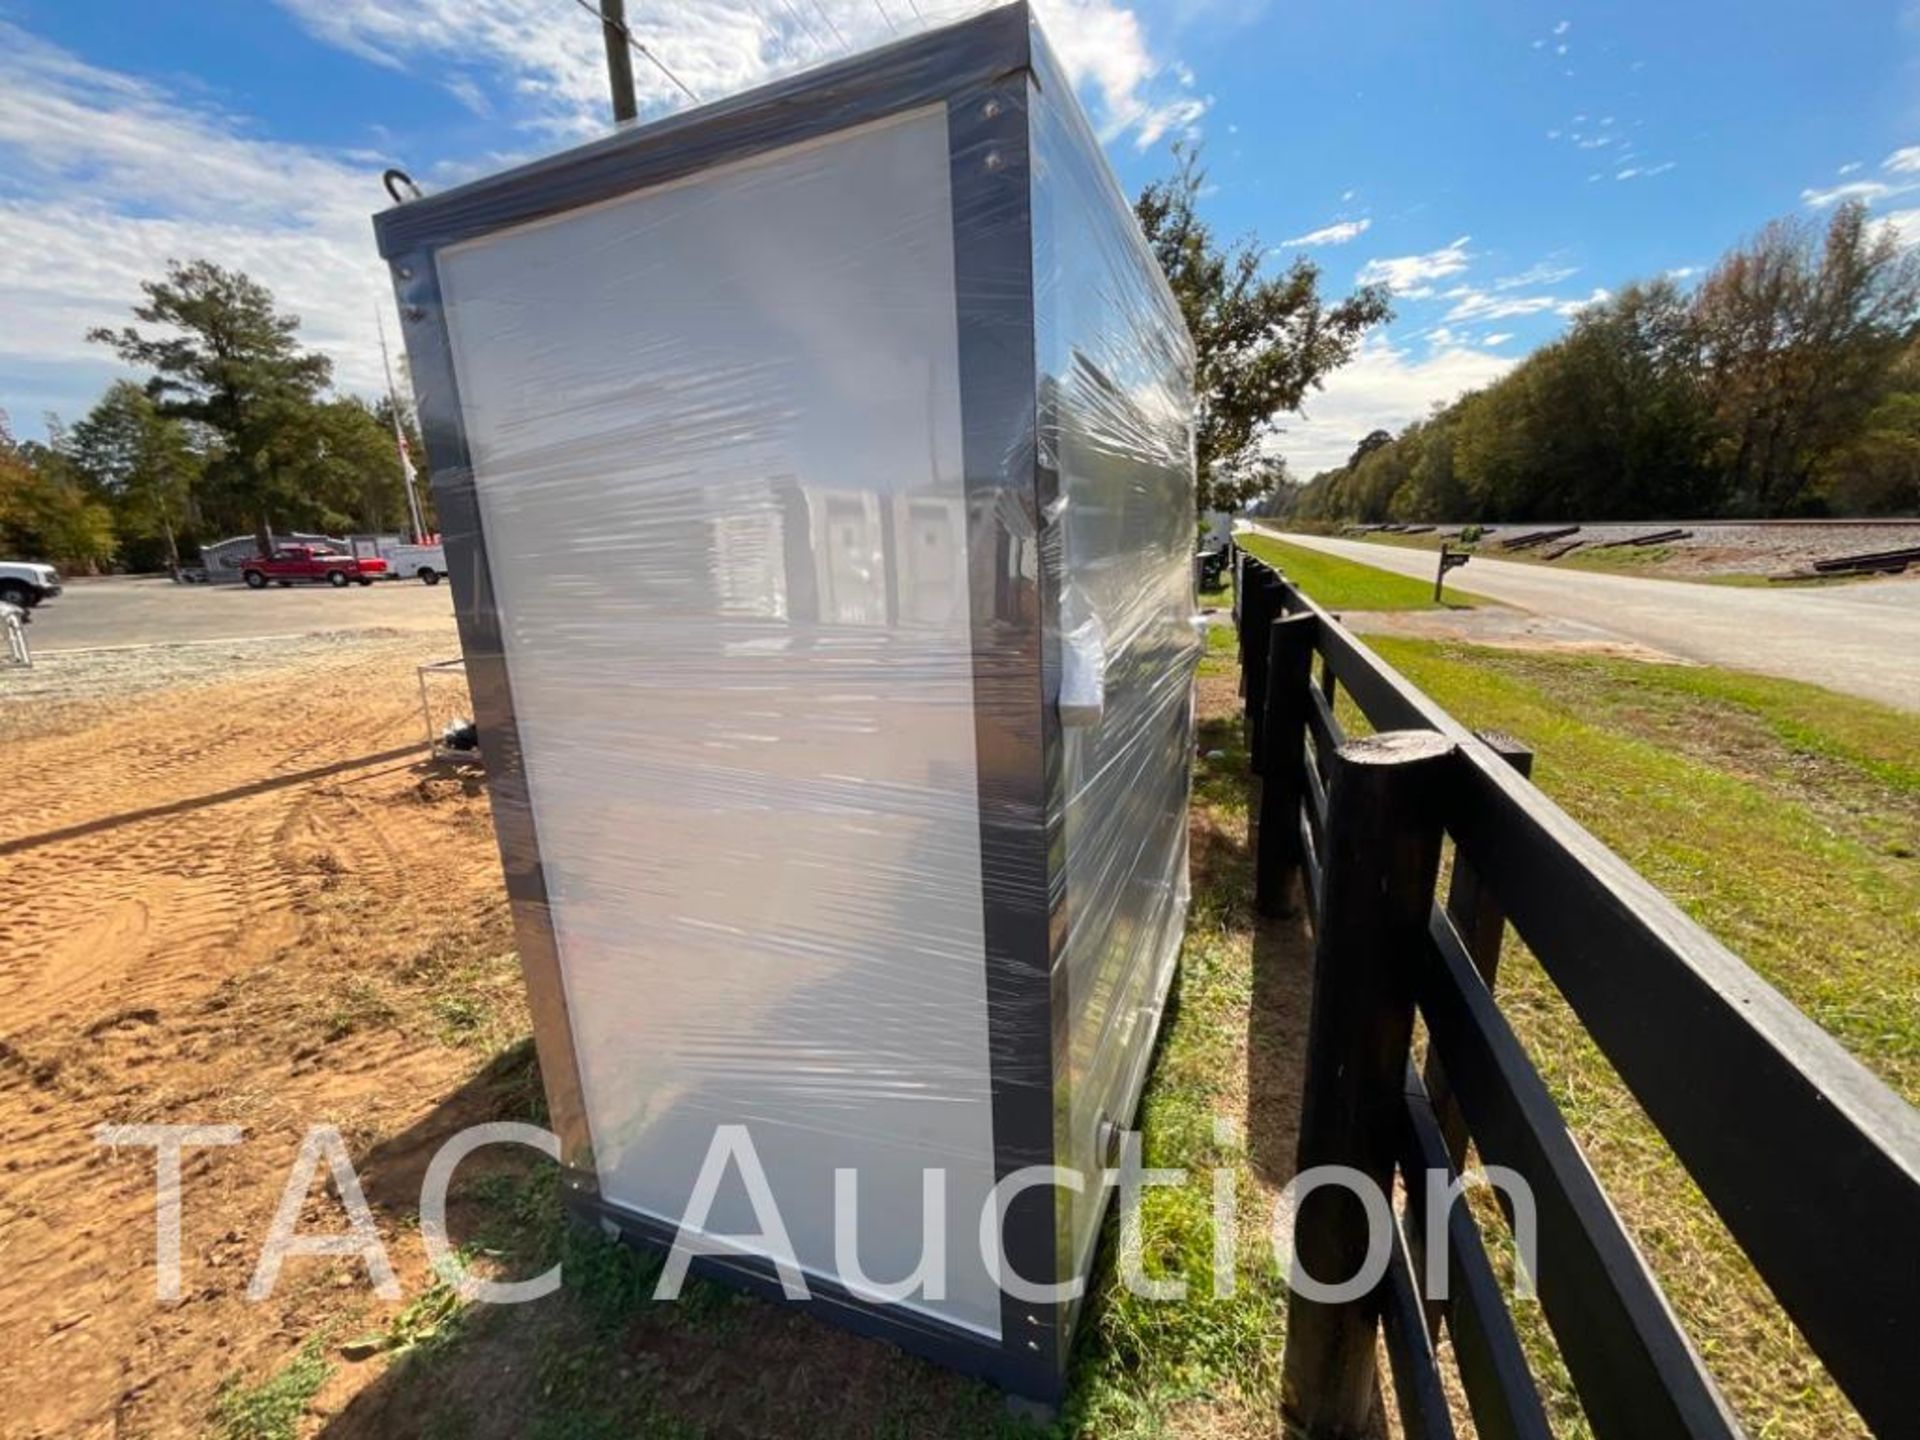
x,y
1812,1163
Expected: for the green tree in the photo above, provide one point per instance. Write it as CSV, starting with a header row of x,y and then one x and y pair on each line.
x,y
1263,340
143,461
226,359
46,510
1798,330
1630,401
338,459
1374,440
1877,472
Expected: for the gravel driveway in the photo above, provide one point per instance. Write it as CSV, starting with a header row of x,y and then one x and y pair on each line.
x,y
144,611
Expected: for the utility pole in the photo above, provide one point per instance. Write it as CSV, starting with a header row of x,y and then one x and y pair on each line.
x,y
400,436
613,25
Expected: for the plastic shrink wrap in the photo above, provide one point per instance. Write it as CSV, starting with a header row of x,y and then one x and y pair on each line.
x,y
816,476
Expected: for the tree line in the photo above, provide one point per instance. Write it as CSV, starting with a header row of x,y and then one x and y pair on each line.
x,y
1787,383
235,431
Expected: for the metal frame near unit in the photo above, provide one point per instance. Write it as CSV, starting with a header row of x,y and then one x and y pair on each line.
x,y
985,72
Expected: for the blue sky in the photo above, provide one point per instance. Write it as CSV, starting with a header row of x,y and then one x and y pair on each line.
x,y
1499,164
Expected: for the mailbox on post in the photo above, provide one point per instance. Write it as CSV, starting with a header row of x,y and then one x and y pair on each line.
x,y
1450,559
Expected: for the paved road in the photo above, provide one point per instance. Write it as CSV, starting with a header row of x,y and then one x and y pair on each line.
x,y
99,613
1859,639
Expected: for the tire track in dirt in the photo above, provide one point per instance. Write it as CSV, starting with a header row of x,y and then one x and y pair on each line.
x,y
194,966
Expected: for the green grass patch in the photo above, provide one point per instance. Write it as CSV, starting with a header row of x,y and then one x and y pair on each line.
x,y
1786,820
1145,1367
271,1409
1348,585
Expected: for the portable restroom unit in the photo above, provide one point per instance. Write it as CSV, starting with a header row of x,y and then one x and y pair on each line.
x,y
816,471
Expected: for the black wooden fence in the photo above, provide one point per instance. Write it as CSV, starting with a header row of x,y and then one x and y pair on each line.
x,y
1812,1163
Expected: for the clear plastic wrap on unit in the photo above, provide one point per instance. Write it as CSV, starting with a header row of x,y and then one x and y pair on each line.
x,y
816,477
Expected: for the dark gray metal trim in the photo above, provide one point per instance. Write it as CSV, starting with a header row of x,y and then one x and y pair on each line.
x,y
981,70
1016,728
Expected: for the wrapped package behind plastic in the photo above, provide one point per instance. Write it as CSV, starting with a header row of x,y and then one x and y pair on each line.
x,y
816,477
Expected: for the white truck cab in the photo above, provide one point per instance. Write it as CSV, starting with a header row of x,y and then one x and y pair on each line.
x,y
26,584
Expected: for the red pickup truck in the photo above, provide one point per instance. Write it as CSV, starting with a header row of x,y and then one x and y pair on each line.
x,y
311,564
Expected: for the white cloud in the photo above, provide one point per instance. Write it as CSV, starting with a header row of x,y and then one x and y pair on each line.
x,y
1547,272
133,176
1338,233
1472,304
1563,27
1644,172
1500,339
1408,274
1907,159
546,59
1683,272
1850,167
1383,388
1867,190
1906,225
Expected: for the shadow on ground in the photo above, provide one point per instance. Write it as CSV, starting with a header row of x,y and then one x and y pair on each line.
x,y
601,1358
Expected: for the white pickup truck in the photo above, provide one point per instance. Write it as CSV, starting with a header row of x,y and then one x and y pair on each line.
x,y
26,584
404,562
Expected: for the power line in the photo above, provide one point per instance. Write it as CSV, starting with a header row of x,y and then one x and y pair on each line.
x,y
817,5
638,48
895,29
801,23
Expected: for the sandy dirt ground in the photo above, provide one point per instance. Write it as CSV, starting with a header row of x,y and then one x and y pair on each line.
x,y
210,864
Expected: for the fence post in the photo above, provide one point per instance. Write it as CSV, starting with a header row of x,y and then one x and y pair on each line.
x,y
1481,921
1241,562
1382,855
1276,852
1257,612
